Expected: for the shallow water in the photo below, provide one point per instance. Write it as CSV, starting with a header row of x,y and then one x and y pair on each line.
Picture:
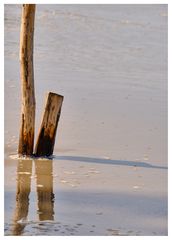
x,y
67,195
109,172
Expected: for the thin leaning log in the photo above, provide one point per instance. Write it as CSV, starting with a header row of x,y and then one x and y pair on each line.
x,y
47,132
26,138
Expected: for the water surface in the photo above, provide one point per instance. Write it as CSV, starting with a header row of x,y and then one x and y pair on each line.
x,y
109,173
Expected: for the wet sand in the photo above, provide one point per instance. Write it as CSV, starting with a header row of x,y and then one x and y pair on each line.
x,y
108,175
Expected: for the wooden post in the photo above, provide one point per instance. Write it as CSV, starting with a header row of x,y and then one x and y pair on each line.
x,y
26,138
47,133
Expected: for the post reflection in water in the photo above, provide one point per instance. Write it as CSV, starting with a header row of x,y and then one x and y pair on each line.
x,y
45,195
44,187
24,171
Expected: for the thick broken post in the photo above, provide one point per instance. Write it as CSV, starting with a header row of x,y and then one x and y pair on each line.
x,y
47,132
26,138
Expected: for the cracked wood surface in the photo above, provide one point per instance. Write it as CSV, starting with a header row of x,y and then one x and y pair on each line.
x,y
47,132
26,138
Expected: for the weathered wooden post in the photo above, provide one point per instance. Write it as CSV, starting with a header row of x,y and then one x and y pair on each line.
x,y
26,138
47,132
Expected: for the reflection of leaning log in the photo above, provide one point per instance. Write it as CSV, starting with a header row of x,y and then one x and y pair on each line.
x,y
45,194
24,171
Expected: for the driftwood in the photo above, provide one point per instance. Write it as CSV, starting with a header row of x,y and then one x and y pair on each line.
x,y
47,132
26,138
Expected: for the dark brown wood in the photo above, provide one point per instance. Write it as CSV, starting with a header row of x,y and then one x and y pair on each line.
x,y
26,138
47,132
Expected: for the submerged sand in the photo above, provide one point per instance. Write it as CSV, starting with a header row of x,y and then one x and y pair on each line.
x,y
108,175
72,195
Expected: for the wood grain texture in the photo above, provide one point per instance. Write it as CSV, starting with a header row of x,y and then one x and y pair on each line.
x,y
26,138
47,132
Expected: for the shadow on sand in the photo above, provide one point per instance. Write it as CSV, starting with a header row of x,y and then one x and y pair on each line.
x,y
108,161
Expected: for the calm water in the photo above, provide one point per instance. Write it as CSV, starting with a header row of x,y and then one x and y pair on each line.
x,y
110,63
